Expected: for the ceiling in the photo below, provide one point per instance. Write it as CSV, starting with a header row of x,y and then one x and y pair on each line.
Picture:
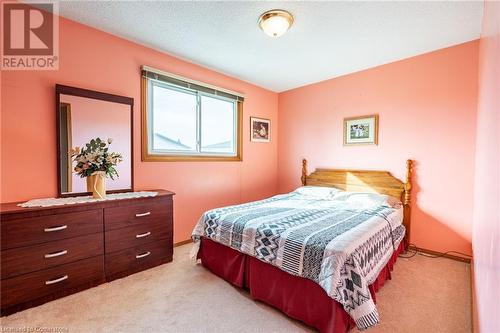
x,y
328,39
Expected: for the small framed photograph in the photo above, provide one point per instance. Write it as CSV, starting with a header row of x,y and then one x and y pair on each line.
x,y
361,130
260,130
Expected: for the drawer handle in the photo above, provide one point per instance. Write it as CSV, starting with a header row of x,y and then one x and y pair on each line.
x,y
62,278
146,234
142,214
139,256
61,227
56,254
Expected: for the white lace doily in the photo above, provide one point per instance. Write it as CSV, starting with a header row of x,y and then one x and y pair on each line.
x,y
47,202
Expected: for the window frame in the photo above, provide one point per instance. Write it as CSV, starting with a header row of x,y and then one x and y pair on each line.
x,y
147,135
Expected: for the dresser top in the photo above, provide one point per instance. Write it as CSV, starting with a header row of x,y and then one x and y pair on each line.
x,y
13,208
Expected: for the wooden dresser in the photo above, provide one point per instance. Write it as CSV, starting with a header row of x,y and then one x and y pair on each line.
x,y
50,252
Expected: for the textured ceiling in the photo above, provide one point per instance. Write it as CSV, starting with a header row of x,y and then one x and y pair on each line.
x,y
328,39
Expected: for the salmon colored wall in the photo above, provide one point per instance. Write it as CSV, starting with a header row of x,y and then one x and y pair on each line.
x,y
96,60
486,231
427,109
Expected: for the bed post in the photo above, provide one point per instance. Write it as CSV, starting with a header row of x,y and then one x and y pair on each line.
x,y
304,172
407,201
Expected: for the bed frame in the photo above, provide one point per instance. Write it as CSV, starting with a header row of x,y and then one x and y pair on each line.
x,y
298,297
365,181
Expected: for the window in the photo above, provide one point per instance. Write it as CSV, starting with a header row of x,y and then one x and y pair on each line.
x,y
185,120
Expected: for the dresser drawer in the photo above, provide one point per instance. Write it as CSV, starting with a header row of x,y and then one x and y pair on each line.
x,y
41,229
120,239
140,213
139,258
31,286
37,257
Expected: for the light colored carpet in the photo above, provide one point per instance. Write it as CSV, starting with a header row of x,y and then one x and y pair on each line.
x,y
425,295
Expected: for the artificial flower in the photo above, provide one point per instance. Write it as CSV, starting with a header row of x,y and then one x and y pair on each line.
x,y
94,158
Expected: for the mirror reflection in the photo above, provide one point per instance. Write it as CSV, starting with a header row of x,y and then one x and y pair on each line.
x,y
83,119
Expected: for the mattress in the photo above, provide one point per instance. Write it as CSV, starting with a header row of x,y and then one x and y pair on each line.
x,y
339,244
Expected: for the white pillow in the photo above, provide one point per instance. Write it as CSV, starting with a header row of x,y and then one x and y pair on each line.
x,y
318,192
368,199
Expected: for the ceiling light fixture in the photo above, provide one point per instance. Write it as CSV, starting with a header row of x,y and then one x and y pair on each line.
x,y
275,22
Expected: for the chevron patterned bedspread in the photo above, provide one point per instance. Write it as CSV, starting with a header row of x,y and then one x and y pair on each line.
x,y
339,246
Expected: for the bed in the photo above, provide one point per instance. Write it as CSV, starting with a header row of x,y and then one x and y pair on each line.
x,y
318,253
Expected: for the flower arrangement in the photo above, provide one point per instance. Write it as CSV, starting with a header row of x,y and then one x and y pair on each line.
x,y
95,158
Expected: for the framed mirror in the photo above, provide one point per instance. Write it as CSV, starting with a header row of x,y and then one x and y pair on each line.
x,y
83,115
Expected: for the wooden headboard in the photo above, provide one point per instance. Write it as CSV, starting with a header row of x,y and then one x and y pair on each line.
x,y
365,181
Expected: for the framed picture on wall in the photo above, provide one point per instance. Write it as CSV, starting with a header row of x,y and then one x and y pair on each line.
x,y
361,130
260,130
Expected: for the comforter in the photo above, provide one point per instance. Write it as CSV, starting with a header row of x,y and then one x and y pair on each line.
x,y
340,246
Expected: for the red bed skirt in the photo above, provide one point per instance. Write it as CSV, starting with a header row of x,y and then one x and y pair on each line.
x,y
286,292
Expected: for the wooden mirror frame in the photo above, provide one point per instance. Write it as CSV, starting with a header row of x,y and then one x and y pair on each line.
x,y
73,91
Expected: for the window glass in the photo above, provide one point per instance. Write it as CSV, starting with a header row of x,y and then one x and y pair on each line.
x,y
188,122
217,125
174,119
